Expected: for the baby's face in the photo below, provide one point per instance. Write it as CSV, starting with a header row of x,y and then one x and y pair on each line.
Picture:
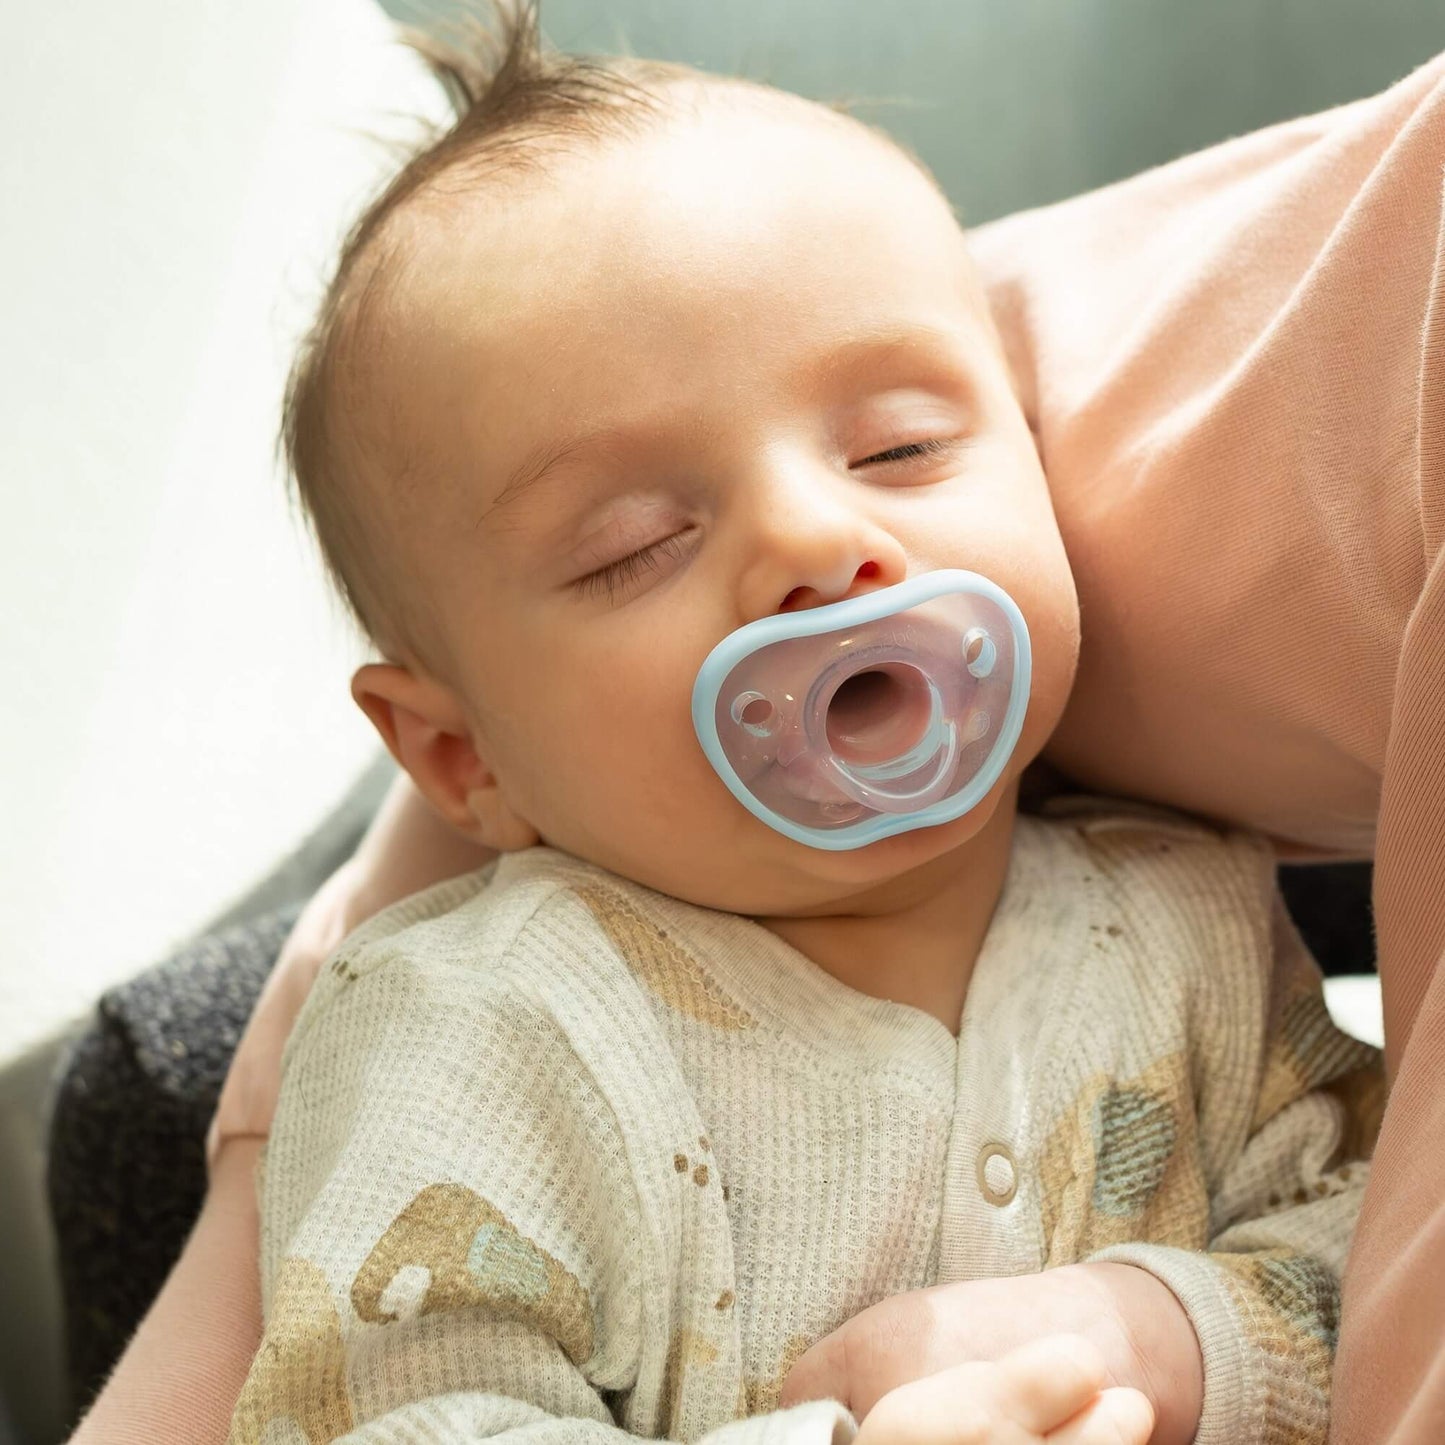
x,y
735,366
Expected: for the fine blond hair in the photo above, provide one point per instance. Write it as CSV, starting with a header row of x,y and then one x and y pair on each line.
x,y
516,101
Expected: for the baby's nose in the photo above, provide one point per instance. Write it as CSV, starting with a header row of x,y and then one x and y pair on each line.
x,y
808,596
809,539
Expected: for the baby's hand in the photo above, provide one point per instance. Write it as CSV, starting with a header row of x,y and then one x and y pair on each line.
x,y
1132,1320
1050,1390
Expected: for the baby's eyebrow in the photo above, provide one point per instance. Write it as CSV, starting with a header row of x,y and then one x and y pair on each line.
x,y
542,461
856,352
918,343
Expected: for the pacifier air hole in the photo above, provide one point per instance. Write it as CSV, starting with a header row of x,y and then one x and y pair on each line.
x,y
878,714
979,652
754,712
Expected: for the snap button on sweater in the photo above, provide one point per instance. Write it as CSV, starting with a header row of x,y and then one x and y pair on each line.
x,y
997,1174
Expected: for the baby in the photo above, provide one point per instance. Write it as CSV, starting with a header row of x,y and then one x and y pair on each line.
x,y
601,1139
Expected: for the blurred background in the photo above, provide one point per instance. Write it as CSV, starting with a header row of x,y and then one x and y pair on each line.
x,y
175,180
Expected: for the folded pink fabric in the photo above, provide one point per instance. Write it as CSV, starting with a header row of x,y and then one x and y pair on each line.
x,y
1235,367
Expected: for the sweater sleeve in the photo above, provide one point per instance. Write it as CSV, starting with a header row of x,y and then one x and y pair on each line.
x,y
1264,1296
455,1242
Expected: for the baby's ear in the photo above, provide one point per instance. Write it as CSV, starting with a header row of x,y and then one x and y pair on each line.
x,y
425,729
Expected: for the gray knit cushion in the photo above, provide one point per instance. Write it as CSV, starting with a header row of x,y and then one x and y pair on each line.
x,y
136,1095
126,1171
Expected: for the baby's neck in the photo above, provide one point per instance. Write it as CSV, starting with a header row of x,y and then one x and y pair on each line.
x,y
917,942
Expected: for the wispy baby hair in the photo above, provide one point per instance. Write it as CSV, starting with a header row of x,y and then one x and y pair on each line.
x,y
516,101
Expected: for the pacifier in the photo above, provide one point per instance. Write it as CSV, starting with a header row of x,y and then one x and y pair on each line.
x,y
843,724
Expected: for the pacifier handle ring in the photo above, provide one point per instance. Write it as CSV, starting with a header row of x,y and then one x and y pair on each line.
x,y
869,796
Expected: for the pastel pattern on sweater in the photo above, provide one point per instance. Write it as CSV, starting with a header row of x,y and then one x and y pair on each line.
x,y
563,1153
297,1385
1121,1164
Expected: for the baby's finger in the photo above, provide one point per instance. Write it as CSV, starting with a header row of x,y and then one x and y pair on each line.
x,y
1046,1382
1029,1392
1116,1417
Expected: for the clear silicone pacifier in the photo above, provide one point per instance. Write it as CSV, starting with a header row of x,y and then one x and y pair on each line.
x,y
843,724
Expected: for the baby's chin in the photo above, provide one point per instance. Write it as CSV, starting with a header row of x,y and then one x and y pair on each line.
x,y
760,873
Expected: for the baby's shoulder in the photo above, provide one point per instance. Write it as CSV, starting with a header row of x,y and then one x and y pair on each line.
x,y
532,933
1137,842
1194,897
499,997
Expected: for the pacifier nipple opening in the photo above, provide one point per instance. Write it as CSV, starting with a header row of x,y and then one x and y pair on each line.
x,y
879,714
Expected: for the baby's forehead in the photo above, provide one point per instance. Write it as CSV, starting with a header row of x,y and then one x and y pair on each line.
x,y
714,130
738,185
742,209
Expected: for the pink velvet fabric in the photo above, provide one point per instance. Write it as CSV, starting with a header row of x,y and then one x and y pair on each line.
x,y
1235,367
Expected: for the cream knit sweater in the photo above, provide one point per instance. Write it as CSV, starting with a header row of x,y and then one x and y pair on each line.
x,y
559,1155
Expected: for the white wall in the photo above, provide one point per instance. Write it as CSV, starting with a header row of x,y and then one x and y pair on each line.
x,y
173,714
174,709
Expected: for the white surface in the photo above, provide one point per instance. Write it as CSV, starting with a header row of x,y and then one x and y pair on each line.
x,y
174,712
1355,1005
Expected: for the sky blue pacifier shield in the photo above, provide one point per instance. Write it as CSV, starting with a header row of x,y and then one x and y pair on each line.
x,y
844,724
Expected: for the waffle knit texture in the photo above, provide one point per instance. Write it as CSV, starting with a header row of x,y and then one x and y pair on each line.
x,y
556,1154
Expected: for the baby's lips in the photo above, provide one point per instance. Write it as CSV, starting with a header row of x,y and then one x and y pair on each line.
x,y
755,752
792,745
809,779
